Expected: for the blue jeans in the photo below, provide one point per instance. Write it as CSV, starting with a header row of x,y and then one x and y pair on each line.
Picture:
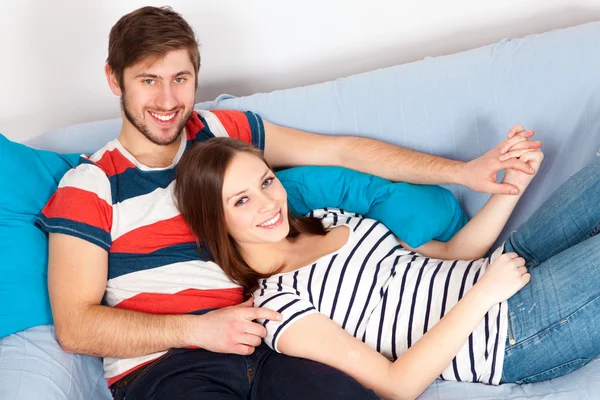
x,y
554,321
264,375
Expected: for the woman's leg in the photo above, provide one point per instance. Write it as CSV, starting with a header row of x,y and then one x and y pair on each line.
x,y
569,216
554,321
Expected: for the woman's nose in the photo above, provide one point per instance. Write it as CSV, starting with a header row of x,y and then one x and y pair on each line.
x,y
267,204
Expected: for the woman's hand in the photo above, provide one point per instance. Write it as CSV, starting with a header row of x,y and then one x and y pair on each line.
x,y
504,277
518,178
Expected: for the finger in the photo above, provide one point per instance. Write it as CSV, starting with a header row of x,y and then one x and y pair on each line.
x,y
264,313
508,143
511,255
519,261
242,349
499,188
525,278
247,303
521,270
513,154
514,130
536,156
527,144
249,340
518,165
254,328
526,134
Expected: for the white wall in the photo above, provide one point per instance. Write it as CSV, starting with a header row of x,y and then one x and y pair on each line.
x,y
53,52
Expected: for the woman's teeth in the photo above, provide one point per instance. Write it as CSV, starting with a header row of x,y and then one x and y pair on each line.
x,y
272,220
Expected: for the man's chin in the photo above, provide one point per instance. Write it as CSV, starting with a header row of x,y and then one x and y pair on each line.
x,y
164,141
165,137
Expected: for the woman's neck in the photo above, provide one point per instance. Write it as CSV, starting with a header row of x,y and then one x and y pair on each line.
x,y
293,253
270,258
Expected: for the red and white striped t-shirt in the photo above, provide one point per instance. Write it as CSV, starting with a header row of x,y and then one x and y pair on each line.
x,y
128,209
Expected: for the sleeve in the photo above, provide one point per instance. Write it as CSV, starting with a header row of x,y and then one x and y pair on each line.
x,y
415,213
284,300
81,206
246,126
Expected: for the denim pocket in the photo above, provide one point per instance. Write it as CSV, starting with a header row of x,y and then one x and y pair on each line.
x,y
555,372
131,380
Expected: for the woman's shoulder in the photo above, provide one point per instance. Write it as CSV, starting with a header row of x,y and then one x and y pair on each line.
x,y
332,217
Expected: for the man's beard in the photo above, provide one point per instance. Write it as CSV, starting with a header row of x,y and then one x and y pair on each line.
x,y
143,128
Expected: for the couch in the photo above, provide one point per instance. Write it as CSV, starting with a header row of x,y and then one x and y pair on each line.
x,y
457,106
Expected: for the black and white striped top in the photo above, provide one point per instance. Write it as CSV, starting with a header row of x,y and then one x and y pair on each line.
x,y
387,296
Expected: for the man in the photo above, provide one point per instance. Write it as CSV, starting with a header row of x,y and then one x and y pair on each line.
x,y
168,323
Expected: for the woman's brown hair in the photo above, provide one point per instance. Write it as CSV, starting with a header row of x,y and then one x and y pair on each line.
x,y
199,197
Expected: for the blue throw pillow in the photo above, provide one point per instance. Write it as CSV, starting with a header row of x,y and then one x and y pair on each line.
x,y
28,178
414,213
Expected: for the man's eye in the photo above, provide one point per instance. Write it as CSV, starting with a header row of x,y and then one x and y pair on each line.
x,y
179,80
149,81
267,182
241,201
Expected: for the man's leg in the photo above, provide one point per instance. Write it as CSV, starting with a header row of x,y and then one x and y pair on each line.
x,y
569,216
281,377
184,374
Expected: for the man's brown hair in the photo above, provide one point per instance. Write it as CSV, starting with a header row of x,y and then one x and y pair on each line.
x,y
149,33
199,197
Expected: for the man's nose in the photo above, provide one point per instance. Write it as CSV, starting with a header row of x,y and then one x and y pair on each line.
x,y
166,98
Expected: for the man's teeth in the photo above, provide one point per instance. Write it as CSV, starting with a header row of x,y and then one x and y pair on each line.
x,y
163,117
271,221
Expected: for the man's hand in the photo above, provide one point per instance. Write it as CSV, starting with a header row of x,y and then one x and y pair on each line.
x,y
480,174
231,329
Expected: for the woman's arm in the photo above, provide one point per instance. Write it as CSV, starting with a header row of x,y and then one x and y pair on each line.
x,y
475,239
318,338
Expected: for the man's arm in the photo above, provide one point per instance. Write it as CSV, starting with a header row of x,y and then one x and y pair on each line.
x,y
292,147
77,273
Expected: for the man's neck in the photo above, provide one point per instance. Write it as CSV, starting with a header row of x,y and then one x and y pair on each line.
x,y
148,153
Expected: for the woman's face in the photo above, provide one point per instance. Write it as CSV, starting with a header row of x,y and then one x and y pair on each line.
x,y
254,201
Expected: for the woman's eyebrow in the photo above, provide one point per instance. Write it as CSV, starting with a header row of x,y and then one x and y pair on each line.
x,y
261,179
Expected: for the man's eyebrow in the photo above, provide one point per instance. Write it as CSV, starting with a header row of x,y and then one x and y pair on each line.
x,y
154,76
145,75
261,179
184,72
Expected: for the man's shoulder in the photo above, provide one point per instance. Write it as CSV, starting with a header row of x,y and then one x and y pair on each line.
x,y
90,168
109,160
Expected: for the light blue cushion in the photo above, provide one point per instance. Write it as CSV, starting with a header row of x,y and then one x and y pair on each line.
x,y
29,177
415,213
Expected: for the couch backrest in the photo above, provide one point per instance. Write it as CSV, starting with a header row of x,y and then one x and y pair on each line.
x,y
457,106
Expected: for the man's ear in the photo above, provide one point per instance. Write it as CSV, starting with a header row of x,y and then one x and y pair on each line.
x,y
113,83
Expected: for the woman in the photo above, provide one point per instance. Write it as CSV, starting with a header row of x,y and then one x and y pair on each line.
x,y
355,297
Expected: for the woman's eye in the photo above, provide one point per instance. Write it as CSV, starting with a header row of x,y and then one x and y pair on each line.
x,y
241,201
267,182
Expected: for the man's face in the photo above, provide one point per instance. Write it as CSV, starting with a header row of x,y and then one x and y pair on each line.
x,y
158,98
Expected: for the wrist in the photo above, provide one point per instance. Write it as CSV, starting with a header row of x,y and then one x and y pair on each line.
x,y
458,173
482,296
187,330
